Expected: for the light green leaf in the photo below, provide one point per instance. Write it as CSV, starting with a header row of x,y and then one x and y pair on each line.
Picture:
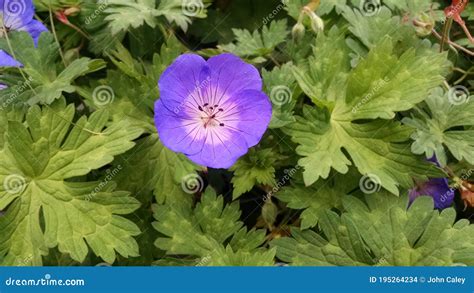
x,y
381,85
281,87
227,257
439,127
258,43
254,168
413,7
125,14
370,30
382,232
216,232
315,200
39,157
326,70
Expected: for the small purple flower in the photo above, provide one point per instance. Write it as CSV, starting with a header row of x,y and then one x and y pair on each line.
x,y
17,15
437,188
212,111
3,86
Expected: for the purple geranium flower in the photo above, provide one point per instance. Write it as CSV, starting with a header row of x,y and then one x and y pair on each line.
x,y
17,15
437,188
212,111
3,86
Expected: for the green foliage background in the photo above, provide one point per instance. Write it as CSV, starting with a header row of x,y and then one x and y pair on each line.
x,y
86,180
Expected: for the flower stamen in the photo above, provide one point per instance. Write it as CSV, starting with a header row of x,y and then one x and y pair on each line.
x,y
210,117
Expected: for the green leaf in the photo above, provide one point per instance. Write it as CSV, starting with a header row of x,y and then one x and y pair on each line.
x,y
281,87
413,7
258,44
385,83
227,257
39,158
381,155
315,200
181,12
371,30
381,85
326,70
126,14
44,82
254,168
152,167
441,125
382,232
218,237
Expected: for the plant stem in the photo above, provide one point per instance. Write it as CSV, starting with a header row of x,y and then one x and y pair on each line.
x,y
53,29
446,29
